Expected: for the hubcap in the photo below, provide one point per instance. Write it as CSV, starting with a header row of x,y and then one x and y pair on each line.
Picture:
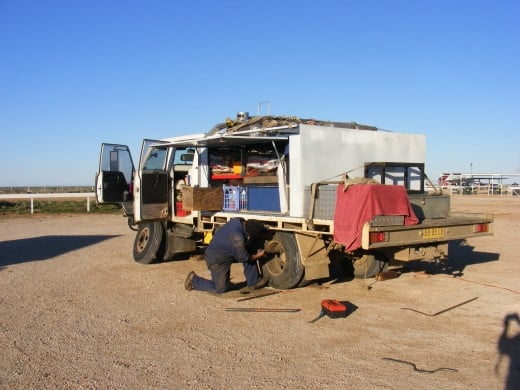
x,y
142,239
276,265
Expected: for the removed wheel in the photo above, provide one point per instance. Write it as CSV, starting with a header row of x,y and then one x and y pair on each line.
x,y
284,266
149,243
368,266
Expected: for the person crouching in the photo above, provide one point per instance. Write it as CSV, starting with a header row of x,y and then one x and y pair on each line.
x,y
229,245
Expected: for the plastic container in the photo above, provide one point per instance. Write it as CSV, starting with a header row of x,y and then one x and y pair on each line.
x,y
179,210
243,198
231,198
237,168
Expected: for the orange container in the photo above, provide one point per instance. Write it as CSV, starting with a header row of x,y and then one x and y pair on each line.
x,y
237,168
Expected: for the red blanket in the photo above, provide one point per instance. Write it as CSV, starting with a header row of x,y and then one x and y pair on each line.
x,y
362,202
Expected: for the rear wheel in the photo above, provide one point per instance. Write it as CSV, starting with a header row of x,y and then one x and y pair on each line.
x,y
149,243
284,266
368,266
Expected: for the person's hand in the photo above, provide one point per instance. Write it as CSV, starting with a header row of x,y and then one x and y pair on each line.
x,y
260,253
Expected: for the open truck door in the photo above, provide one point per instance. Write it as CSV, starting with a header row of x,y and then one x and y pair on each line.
x,y
115,176
152,183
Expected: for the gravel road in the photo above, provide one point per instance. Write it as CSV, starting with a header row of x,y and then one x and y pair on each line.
x,y
79,313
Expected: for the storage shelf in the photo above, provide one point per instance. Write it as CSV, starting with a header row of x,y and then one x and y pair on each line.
x,y
226,176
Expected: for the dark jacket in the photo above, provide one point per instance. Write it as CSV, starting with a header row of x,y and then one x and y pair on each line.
x,y
228,244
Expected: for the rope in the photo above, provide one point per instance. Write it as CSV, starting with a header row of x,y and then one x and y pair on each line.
x,y
418,369
473,281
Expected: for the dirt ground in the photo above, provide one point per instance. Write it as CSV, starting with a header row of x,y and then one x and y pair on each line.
x,y
78,313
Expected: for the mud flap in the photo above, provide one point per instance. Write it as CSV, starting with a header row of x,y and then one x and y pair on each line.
x,y
314,256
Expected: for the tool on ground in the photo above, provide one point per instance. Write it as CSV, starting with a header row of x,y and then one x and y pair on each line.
x,y
331,308
261,310
259,296
442,311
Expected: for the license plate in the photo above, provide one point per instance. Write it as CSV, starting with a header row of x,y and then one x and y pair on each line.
x,y
430,233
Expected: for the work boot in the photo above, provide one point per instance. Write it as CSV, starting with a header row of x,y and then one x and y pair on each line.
x,y
188,283
261,283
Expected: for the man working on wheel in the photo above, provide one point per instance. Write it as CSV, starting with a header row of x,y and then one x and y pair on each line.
x,y
229,244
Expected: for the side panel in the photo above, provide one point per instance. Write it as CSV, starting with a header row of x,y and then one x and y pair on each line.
x,y
154,195
326,153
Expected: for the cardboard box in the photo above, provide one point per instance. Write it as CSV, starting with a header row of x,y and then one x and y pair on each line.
x,y
261,179
196,198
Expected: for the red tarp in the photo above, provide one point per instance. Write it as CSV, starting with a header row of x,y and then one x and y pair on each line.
x,y
362,202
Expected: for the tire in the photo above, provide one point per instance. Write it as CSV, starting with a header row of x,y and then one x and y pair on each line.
x,y
149,243
368,266
284,266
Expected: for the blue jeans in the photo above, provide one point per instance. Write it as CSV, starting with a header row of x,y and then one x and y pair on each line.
x,y
220,272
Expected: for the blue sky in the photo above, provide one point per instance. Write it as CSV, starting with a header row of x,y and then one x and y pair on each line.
x,y
74,74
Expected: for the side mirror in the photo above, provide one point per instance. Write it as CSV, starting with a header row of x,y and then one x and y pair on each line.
x,y
187,157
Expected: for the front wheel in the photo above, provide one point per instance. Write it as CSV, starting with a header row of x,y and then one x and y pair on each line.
x,y
284,266
149,243
368,266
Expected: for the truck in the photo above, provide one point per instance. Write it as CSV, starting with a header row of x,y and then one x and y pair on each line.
x,y
329,193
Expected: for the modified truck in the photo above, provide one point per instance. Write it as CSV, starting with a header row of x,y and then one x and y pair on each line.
x,y
329,192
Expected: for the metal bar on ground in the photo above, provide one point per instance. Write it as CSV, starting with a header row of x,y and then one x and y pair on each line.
x,y
261,310
259,296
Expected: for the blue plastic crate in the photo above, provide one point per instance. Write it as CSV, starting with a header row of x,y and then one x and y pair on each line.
x,y
231,198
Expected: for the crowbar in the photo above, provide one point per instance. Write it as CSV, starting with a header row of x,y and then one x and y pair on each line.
x,y
261,310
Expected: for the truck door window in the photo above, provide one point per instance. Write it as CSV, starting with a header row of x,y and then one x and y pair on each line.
x,y
117,158
184,156
155,159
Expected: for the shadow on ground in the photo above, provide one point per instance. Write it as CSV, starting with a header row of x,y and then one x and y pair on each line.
x,y
509,347
44,247
460,255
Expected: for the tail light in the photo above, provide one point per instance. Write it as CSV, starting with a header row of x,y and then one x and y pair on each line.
x,y
481,228
378,237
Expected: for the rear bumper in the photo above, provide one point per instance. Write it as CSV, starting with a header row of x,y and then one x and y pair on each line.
x,y
430,231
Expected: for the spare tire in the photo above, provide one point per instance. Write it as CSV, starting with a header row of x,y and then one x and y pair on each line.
x,y
368,266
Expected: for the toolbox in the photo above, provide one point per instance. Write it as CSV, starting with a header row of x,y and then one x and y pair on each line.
x,y
333,308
